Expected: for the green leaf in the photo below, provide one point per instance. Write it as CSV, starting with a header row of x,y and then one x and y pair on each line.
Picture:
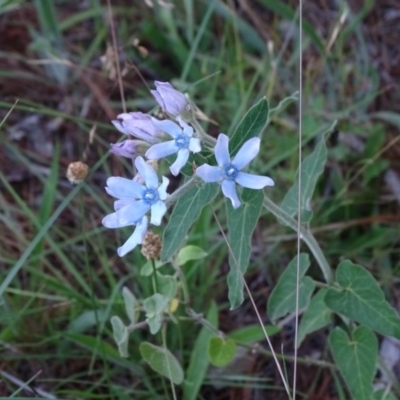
x,y
381,394
356,358
220,351
198,363
361,299
315,317
253,333
186,211
282,299
250,126
131,305
162,361
147,269
190,253
121,335
167,285
241,224
311,168
154,307
283,104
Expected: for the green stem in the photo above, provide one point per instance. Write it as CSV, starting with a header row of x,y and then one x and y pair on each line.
x,y
154,276
205,137
184,284
305,234
181,190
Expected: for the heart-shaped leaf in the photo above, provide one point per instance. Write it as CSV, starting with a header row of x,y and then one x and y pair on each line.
x,y
162,361
221,351
356,358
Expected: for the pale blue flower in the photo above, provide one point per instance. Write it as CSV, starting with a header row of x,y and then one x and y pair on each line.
x,y
127,148
183,143
228,172
135,200
170,100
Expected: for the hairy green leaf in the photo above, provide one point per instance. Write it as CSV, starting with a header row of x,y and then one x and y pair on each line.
x,y
356,358
241,224
360,298
282,299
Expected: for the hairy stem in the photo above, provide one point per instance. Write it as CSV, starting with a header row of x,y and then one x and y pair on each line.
x,y
305,234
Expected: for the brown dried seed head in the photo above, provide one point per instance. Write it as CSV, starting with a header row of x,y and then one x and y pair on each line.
x,y
77,172
151,246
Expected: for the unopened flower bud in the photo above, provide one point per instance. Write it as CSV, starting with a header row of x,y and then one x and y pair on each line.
x,y
151,246
170,100
127,148
77,172
139,125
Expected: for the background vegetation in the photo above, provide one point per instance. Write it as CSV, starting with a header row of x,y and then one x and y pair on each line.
x,y
60,278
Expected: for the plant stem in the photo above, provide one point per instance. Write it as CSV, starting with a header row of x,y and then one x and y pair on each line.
x,y
181,190
154,276
202,133
305,234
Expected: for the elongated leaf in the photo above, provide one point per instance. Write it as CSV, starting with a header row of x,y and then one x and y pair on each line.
x,y
186,211
253,333
190,253
241,224
199,363
282,299
311,168
283,104
121,335
356,358
132,307
220,351
315,317
250,126
361,299
162,361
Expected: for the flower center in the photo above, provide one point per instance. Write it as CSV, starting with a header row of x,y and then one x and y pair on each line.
x,y
150,196
231,172
182,141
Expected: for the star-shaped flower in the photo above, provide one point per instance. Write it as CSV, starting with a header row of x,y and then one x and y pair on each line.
x,y
228,172
182,144
134,201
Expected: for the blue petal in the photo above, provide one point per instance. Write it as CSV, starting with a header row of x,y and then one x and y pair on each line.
x,y
194,145
253,181
111,221
132,213
183,155
147,172
135,239
229,191
162,189
246,153
157,212
167,126
161,150
118,204
122,187
119,126
222,151
187,129
209,173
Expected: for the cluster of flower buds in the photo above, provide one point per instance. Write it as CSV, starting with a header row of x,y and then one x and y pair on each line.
x,y
135,198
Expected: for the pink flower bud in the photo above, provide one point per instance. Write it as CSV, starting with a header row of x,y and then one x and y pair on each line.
x,y
126,148
139,125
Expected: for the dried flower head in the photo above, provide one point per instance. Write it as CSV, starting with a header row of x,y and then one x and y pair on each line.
x,y
151,246
77,172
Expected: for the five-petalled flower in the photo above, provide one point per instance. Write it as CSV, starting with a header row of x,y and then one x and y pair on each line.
x,y
134,201
183,143
228,172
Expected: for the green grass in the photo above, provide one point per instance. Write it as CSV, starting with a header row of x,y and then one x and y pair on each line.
x,y
60,277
